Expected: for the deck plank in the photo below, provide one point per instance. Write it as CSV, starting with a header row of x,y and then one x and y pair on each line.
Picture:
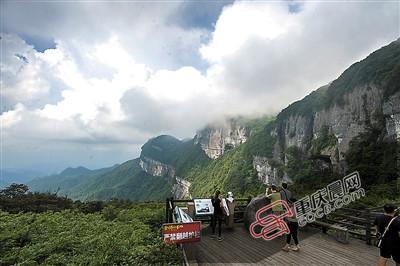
x,y
239,248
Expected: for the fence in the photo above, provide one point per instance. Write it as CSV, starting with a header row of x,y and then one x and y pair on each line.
x,y
170,204
357,222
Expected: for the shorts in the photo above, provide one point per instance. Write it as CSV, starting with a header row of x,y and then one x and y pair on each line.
x,y
389,251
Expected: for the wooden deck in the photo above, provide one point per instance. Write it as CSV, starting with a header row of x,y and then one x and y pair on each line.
x,y
239,248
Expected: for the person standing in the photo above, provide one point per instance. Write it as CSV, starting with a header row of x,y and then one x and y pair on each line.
x,y
293,225
217,216
286,195
231,207
274,195
388,227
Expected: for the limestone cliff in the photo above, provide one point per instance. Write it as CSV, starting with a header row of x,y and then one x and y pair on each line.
x,y
217,138
156,168
362,107
391,110
181,188
265,172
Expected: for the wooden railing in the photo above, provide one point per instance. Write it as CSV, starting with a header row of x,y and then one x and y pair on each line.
x,y
170,204
358,222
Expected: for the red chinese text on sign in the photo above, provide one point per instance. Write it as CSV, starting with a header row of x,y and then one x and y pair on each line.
x,y
181,232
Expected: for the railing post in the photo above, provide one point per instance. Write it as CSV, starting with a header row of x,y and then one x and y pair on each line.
x,y
167,210
368,226
171,209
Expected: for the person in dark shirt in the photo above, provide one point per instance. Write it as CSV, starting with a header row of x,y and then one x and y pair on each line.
x,y
286,195
390,246
217,216
293,225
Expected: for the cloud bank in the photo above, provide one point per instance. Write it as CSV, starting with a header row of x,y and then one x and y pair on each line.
x,y
118,74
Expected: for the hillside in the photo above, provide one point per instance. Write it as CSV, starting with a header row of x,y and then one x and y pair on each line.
x,y
127,181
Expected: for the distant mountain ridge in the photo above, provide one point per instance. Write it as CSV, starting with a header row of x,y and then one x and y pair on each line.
x,y
70,171
65,182
9,176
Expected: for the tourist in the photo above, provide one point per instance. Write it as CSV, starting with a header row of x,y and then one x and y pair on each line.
x,y
286,195
274,195
293,227
231,207
217,216
388,228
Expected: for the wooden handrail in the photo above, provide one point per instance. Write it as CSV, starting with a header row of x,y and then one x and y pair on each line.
x,y
190,200
353,218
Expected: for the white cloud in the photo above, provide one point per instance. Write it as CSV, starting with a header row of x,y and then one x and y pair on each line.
x,y
244,21
283,56
22,76
105,93
180,85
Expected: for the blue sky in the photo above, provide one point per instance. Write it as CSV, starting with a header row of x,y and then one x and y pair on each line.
x,y
87,83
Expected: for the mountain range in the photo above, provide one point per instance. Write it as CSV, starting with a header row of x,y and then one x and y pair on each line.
x,y
352,123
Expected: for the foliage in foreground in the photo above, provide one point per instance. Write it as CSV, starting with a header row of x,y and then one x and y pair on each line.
x,y
112,237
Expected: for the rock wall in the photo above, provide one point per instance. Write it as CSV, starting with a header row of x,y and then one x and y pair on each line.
x,y
156,168
265,172
362,106
180,189
391,111
217,138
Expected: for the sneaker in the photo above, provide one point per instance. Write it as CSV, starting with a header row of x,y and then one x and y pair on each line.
x,y
285,248
295,248
220,238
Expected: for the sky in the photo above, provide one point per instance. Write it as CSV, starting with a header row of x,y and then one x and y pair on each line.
x,y
88,82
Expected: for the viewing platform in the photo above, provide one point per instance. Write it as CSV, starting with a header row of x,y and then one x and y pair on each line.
x,y
316,248
346,238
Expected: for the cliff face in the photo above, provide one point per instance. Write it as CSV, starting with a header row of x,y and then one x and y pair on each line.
x,y
179,187
362,107
218,138
265,172
156,168
391,111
